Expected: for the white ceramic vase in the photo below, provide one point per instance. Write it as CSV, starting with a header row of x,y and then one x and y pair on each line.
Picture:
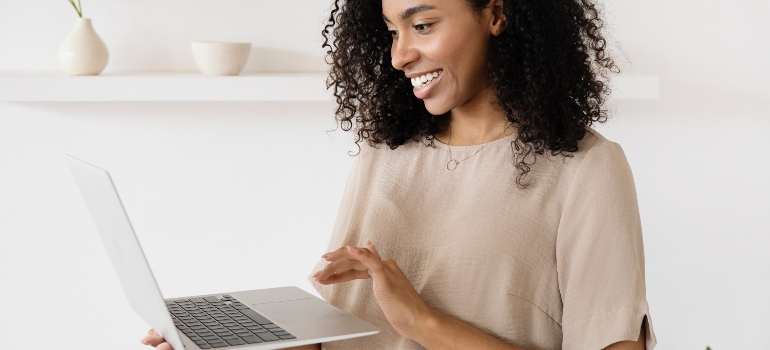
x,y
83,52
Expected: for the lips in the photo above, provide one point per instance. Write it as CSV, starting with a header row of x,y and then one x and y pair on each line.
x,y
426,83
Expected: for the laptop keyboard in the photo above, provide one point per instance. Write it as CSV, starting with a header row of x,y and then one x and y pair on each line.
x,y
212,322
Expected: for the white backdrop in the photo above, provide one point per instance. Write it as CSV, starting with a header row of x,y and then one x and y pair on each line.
x,y
232,196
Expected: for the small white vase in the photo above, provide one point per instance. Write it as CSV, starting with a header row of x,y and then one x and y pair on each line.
x,y
83,52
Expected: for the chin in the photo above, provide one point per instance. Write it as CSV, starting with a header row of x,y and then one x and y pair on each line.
x,y
435,107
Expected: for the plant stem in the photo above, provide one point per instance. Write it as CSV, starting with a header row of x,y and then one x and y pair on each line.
x,y
79,11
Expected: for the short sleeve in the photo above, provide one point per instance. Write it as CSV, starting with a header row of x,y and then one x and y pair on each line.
x,y
341,225
600,255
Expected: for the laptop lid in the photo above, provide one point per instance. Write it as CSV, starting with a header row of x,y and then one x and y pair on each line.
x,y
123,248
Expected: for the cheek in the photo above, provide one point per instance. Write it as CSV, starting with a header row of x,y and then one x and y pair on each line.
x,y
462,56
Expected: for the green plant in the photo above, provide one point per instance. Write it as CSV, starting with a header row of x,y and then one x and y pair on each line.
x,y
708,348
77,7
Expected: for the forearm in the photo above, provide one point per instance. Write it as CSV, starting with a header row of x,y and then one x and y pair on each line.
x,y
441,331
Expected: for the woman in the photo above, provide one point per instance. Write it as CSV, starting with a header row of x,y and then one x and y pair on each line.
x,y
505,220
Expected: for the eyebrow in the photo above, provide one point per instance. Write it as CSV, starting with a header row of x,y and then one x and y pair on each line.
x,y
411,12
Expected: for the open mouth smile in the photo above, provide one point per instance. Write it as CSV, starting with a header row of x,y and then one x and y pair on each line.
x,y
426,79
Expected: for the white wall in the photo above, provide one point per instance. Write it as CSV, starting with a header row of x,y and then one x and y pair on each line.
x,y
232,181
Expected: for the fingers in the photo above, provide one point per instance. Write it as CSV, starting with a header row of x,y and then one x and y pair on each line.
x,y
336,255
370,246
343,253
153,339
372,262
344,277
337,267
345,266
165,346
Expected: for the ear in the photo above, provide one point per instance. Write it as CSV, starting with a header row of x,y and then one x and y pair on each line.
x,y
498,20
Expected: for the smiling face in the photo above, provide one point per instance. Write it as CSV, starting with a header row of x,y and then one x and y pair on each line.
x,y
441,46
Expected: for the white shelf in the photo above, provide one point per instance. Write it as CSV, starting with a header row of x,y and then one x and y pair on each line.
x,y
153,87
169,87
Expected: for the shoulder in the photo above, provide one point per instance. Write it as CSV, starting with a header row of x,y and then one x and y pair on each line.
x,y
373,152
597,153
594,144
592,148
600,168
596,161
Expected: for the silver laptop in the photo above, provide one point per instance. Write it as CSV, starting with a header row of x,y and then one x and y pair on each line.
x,y
256,319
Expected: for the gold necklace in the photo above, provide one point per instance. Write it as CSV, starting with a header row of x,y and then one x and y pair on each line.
x,y
452,164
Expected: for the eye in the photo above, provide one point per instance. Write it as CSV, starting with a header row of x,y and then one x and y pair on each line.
x,y
422,27
393,33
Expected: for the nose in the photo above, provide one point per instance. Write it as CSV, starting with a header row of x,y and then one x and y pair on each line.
x,y
402,53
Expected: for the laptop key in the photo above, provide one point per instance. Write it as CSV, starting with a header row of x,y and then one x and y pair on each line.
x,y
236,341
267,337
252,339
284,337
219,345
255,316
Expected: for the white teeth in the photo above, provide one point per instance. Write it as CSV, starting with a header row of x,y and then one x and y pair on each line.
x,y
422,80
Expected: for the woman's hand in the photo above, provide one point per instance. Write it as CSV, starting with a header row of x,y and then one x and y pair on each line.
x,y
399,301
152,338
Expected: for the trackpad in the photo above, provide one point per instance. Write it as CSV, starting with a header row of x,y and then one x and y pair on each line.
x,y
298,310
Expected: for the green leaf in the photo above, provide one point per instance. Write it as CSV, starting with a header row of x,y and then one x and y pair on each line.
x,y
78,10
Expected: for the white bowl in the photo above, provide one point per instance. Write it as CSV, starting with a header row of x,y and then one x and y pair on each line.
x,y
220,58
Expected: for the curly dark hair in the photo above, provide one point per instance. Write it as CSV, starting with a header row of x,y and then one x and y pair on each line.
x,y
549,69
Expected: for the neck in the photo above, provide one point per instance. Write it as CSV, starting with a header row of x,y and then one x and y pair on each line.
x,y
478,121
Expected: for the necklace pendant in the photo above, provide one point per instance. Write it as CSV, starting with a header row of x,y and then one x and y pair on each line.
x,y
451,165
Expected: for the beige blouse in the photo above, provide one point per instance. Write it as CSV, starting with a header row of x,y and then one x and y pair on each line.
x,y
559,265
